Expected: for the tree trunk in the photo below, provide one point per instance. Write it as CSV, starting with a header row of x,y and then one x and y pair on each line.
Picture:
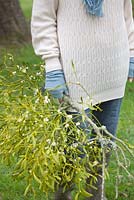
x,y
13,27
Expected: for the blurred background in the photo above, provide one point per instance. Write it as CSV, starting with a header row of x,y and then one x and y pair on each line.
x,y
15,30
15,38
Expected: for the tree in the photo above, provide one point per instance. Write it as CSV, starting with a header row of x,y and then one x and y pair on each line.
x,y
13,27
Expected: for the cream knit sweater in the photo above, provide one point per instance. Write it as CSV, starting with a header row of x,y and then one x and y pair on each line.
x,y
100,48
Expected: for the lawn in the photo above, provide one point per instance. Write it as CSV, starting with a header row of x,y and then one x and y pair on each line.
x,y
11,189
27,7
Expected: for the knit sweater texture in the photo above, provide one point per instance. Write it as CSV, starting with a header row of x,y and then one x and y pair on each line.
x,y
100,48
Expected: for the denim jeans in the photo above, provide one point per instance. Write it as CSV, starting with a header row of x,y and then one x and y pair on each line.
x,y
107,115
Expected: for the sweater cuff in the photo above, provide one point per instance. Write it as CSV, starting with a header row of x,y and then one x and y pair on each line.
x,y
132,59
52,64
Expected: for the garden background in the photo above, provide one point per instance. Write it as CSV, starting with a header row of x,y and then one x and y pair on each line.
x,y
11,189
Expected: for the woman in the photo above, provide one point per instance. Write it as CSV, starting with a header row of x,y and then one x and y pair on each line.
x,y
98,37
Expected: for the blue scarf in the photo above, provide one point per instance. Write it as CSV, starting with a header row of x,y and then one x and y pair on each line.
x,y
94,7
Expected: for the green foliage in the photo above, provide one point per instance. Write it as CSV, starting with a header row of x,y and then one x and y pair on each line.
x,y
37,137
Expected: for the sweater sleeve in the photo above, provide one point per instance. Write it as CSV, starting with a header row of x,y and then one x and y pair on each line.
x,y
128,14
44,32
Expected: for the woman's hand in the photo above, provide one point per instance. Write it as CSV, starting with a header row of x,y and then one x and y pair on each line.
x,y
55,84
131,70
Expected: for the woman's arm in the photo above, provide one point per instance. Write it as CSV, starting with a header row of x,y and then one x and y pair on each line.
x,y
128,14
44,32
45,43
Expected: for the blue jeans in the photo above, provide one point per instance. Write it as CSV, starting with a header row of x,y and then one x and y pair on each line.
x,y
108,116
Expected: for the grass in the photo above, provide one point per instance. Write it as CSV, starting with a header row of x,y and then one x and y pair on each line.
x,y
11,189
26,7
126,132
23,55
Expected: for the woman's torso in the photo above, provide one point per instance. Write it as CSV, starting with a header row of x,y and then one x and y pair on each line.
x,y
98,47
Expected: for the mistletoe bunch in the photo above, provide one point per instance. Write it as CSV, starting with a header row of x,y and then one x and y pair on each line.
x,y
42,142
